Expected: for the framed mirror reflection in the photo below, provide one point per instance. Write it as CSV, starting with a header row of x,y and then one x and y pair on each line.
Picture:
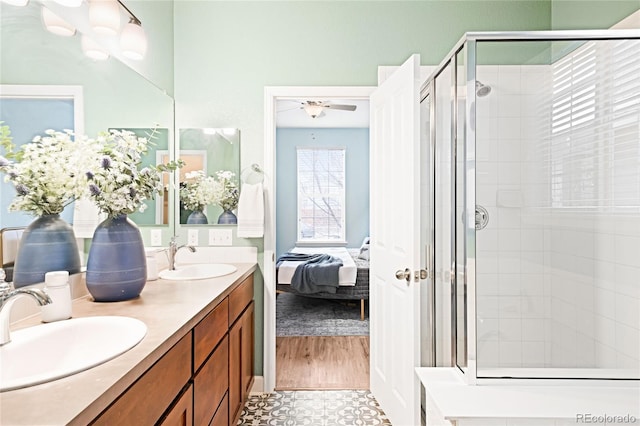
x,y
113,96
210,178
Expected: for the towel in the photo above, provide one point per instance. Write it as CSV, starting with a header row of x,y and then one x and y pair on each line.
x,y
86,218
251,211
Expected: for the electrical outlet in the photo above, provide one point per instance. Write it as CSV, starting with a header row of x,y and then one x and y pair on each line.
x,y
156,237
192,237
220,237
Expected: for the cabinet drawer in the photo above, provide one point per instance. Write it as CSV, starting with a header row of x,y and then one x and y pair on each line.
x,y
147,399
209,332
240,298
210,384
222,415
181,414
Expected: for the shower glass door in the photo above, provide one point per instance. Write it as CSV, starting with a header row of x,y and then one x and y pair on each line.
x,y
558,170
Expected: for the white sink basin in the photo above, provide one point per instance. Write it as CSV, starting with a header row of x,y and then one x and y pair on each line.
x,y
47,352
198,271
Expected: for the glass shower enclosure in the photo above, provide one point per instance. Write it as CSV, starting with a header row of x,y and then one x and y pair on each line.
x,y
535,147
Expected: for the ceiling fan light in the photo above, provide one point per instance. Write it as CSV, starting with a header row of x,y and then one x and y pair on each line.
x,y
56,25
133,41
104,16
16,2
313,110
92,49
69,3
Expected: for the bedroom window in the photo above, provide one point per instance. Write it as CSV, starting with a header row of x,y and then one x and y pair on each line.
x,y
321,194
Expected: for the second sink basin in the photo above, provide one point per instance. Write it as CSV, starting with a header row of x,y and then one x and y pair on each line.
x,y
198,271
47,352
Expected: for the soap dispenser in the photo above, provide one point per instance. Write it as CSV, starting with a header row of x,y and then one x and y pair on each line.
x,y
56,284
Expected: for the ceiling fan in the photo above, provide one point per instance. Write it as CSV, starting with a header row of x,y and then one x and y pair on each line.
x,y
316,108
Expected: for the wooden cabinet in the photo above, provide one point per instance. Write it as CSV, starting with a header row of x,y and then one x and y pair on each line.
x,y
204,379
211,384
147,399
181,414
241,351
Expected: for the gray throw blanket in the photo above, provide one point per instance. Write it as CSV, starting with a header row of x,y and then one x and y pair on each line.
x,y
318,273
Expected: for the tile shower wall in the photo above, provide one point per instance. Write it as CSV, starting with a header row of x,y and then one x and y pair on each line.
x,y
557,287
511,272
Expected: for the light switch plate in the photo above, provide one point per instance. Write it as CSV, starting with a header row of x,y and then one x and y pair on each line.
x,y
192,237
156,237
220,237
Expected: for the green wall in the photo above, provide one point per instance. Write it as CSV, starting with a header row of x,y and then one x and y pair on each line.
x,y
227,51
590,14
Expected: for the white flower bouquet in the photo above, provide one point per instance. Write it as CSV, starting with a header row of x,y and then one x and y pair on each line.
x,y
116,183
198,191
227,193
47,172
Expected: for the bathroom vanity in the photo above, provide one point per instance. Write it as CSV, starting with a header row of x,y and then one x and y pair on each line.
x,y
194,366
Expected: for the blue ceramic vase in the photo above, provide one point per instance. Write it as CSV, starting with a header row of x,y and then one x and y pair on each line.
x,y
197,218
227,218
47,244
117,267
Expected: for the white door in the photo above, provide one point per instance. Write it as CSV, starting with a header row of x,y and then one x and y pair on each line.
x,y
395,244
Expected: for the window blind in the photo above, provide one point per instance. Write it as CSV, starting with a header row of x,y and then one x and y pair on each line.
x,y
595,127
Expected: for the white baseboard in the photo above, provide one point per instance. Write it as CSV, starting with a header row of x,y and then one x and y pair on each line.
x,y
258,385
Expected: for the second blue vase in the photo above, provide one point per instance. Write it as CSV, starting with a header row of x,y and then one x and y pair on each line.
x,y
117,266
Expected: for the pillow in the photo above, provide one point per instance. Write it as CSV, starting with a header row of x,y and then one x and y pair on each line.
x,y
364,250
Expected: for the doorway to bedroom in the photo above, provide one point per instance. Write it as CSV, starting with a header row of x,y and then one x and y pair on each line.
x,y
321,242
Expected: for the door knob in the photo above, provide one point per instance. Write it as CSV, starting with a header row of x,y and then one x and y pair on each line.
x,y
403,275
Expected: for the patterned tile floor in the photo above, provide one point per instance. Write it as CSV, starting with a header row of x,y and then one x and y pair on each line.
x,y
313,408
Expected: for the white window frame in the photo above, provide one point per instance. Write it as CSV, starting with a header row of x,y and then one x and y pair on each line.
x,y
342,198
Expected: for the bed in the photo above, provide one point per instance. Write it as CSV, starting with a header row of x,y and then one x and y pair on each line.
x,y
353,276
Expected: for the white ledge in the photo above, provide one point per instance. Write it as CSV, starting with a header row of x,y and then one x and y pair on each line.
x,y
456,400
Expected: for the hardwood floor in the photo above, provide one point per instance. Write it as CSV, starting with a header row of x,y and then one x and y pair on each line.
x,y
322,362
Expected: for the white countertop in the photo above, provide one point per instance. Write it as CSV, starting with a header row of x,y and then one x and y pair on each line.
x,y
457,400
169,309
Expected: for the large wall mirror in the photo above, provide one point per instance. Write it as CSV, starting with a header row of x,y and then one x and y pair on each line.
x,y
111,96
214,154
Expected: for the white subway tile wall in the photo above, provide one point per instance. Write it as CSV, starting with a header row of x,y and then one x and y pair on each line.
x,y
557,286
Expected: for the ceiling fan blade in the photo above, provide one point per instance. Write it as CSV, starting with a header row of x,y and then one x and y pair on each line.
x,y
289,109
342,107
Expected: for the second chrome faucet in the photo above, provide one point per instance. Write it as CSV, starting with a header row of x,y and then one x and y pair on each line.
x,y
173,250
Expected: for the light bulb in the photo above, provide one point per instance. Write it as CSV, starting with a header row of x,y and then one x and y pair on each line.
x,y
104,16
92,49
56,24
133,41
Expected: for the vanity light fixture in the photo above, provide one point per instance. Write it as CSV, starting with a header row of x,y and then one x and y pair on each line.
x,y
56,24
16,2
104,16
92,49
133,40
69,3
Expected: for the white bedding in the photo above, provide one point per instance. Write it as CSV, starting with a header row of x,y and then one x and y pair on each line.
x,y
346,274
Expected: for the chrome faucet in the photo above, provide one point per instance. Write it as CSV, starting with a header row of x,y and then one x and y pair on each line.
x,y
8,296
173,250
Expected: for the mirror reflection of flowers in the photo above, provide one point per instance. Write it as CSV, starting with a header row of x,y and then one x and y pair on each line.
x,y
116,183
46,172
227,193
198,191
